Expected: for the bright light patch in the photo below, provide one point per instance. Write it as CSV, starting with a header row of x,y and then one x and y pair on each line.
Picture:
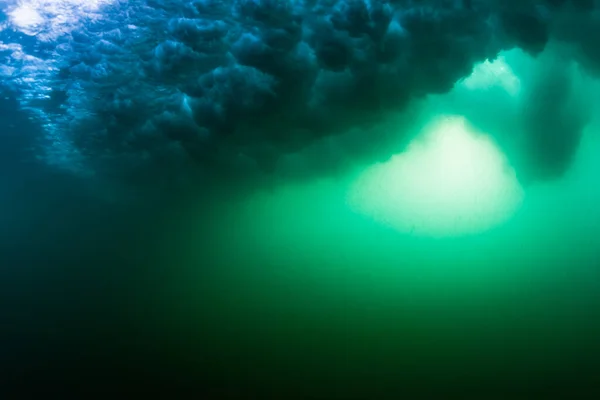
x,y
26,17
497,73
53,17
451,181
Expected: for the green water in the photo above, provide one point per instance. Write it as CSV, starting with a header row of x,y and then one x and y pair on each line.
x,y
291,290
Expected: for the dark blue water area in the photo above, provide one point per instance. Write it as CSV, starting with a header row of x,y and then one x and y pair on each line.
x,y
75,272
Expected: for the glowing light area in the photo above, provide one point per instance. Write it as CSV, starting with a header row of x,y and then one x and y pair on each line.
x,y
55,17
494,73
451,181
26,16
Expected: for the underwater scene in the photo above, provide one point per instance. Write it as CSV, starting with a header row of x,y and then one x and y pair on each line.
x,y
300,199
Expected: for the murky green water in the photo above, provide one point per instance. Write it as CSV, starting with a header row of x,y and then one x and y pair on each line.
x,y
294,288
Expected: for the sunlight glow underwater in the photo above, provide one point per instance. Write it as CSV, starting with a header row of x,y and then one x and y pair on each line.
x,y
26,16
452,180
48,18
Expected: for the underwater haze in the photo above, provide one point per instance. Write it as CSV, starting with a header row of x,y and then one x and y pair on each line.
x,y
341,199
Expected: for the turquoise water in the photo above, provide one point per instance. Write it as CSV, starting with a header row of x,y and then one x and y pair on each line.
x,y
444,277
295,289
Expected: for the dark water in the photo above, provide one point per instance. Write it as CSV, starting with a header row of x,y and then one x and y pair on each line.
x,y
289,292
296,299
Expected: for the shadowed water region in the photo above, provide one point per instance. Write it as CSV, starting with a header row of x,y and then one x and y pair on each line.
x,y
311,200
